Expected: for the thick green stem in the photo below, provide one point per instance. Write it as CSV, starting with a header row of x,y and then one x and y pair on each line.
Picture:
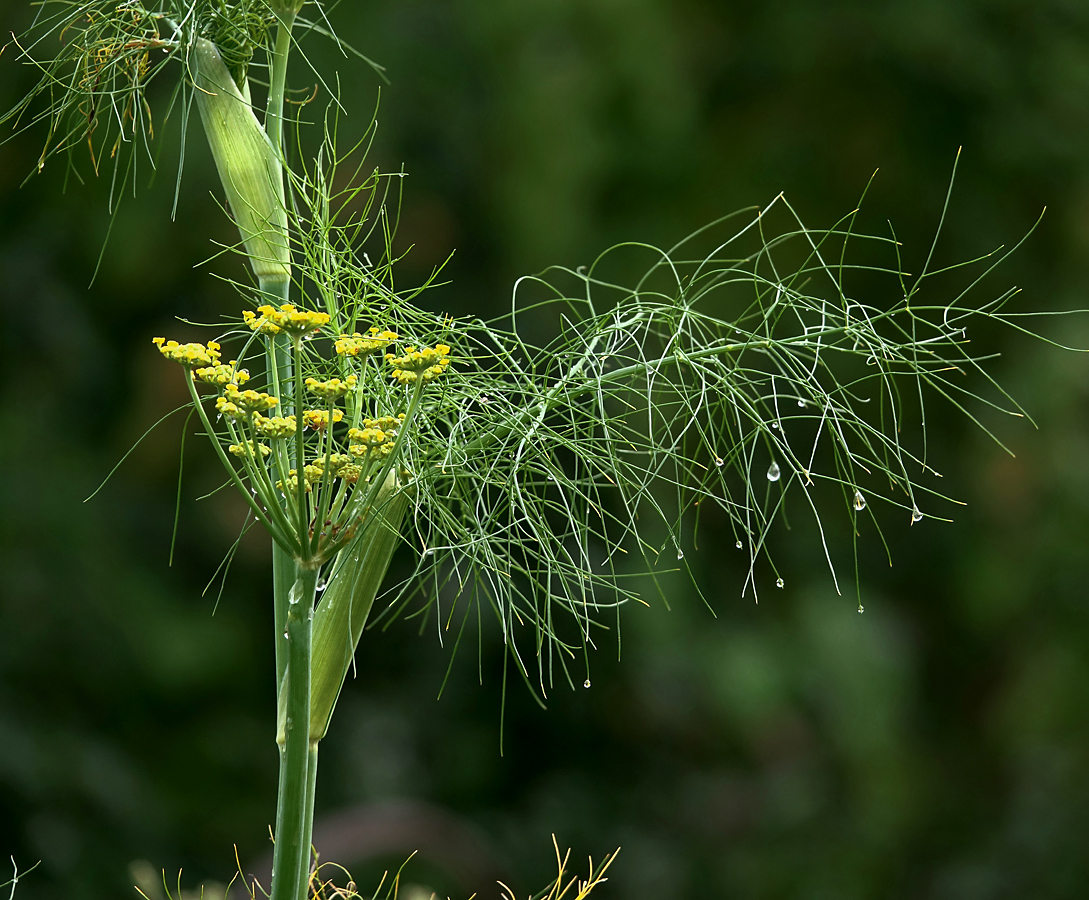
x,y
274,114
278,361
294,816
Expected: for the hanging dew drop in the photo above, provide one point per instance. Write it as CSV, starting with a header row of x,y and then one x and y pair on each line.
x,y
861,609
775,425
295,594
680,553
779,582
773,472
860,501
286,638
801,404
719,461
586,683
738,545
550,478
916,515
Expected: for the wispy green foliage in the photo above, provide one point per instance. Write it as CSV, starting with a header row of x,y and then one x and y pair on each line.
x,y
737,371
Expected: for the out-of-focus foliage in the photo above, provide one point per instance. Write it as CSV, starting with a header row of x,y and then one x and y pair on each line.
x,y
935,746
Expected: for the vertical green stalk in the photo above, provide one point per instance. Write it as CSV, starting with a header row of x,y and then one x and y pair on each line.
x,y
274,113
294,816
278,360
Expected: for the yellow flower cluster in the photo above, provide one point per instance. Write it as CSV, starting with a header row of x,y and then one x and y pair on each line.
x,y
274,426
223,374
250,448
293,482
287,318
333,389
350,472
424,364
375,439
318,419
360,345
188,354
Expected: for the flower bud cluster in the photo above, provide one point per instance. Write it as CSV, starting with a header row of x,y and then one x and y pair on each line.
x,y
424,364
250,449
223,374
375,440
188,355
318,419
360,345
333,389
287,319
240,404
274,426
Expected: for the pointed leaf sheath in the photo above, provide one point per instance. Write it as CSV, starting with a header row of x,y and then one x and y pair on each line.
x,y
357,574
247,164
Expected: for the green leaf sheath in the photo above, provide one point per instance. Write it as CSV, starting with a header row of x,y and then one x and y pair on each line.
x,y
357,575
247,162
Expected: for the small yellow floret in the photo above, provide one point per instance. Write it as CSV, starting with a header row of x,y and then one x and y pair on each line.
x,y
296,322
223,374
350,473
274,426
423,365
293,483
318,419
360,345
370,443
250,448
386,423
188,355
333,389
249,401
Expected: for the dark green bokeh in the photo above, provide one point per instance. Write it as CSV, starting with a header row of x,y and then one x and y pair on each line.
x,y
933,747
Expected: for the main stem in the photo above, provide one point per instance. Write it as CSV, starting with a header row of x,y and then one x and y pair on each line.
x,y
294,809
292,635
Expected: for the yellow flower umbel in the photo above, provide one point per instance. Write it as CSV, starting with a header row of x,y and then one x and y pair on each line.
x,y
422,365
274,426
375,439
287,319
318,419
250,448
222,374
360,345
188,355
333,389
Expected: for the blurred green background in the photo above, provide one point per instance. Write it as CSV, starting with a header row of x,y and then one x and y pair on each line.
x,y
935,747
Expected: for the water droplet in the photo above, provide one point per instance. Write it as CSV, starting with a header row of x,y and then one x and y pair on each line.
x,y
719,461
429,552
295,594
286,638
773,472
860,501
801,404
320,586
680,553
550,478
916,515
860,608
775,425
779,582
738,545
586,683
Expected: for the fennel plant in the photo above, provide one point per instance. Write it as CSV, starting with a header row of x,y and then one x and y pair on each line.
x,y
532,480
